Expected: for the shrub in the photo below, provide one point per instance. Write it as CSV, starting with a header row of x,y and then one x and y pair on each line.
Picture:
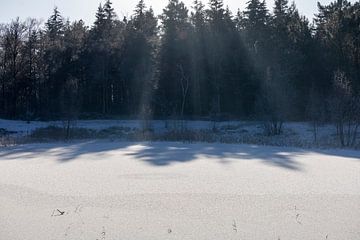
x,y
58,133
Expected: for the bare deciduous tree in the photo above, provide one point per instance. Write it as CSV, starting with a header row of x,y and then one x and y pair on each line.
x,y
272,105
184,83
345,110
70,106
316,112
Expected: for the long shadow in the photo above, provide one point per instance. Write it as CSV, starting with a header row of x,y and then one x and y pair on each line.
x,y
158,154
167,153
62,151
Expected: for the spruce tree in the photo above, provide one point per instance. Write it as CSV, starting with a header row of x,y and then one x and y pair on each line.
x,y
109,12
281,8
256,14
199,64
216,11
55,24
103,50
256,19
100,16
54,49
174,62
137,61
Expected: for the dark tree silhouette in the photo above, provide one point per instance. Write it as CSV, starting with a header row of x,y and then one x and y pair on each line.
x,y
201,62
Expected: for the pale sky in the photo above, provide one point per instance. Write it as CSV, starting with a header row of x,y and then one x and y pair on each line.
x,y
86,9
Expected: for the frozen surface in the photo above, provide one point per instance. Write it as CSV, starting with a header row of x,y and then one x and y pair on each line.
x,y
120,190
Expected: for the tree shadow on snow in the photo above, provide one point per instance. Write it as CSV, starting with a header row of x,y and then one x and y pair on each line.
x,y
162,155
167,153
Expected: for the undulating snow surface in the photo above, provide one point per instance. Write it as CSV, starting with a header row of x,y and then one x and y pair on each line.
x,y
120,190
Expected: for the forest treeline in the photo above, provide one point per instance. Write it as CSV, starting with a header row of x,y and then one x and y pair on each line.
x,y
201,61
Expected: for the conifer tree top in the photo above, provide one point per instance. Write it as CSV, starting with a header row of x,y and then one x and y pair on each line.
x,y
55,23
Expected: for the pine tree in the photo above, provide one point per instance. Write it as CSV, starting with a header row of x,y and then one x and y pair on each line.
x,y
100,16
207,63
199,59
140,8
53,55
336,28
174,62
138,60
216,11
256,14
144,19
281,8
110,14
55,24
139,16
256,19
198,15
216,54
103,51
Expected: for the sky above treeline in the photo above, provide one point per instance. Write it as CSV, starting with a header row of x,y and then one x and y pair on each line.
x,y
86,9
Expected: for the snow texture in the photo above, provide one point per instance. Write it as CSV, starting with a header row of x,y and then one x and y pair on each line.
x,y
166,190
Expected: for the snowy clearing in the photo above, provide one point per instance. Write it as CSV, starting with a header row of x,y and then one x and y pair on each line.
x,y
119,190
295,134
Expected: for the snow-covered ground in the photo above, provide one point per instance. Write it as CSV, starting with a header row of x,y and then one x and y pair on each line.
x,y
121,190
23,127
295,134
